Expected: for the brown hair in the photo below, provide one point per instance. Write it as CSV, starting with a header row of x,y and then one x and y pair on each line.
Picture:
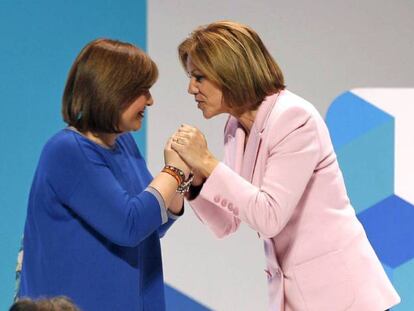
x,y
106,77
59,303
233,56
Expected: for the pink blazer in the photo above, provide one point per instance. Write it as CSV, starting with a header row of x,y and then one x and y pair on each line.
x,y
286,185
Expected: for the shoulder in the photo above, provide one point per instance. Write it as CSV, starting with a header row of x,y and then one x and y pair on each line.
x,y
67,149
293,122
61,162
292,112
62,145
292,106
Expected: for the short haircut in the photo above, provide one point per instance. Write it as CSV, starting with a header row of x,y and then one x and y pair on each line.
x,y
106,77
233,57
59,303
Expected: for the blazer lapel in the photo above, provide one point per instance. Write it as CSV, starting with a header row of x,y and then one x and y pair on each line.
x,y
240,137
250,155
255,138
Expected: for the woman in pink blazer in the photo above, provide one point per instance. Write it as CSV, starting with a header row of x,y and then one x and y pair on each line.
x,y
279,175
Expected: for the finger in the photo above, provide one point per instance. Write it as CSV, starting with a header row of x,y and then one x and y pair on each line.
x,y
177,147
184,125
186,128
183,135
183,139
168,143
179,140
176,140
191,128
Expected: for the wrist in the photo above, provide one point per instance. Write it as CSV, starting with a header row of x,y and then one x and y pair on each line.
x,y
209,164
194,191
182,168
175,172
183,181
198,179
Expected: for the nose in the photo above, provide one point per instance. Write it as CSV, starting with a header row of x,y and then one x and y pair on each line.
x,y
150,100
192,86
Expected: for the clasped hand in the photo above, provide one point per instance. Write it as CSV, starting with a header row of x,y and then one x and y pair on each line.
x,y
172,158
191,145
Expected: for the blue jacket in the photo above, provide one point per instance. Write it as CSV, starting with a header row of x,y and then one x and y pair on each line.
x,y
93,227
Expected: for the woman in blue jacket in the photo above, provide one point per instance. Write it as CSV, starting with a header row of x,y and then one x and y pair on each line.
x,y
95,213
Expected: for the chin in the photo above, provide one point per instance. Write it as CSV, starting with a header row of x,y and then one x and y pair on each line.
x,y
207,115
135,127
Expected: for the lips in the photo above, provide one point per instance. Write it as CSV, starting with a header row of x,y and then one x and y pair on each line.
x,y
141,114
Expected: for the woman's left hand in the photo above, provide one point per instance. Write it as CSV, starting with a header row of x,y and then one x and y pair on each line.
x,y
191,145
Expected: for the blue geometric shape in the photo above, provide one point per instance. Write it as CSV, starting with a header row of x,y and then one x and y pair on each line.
x,y
404,284
368,167
389,271
389,226
349,117
177,301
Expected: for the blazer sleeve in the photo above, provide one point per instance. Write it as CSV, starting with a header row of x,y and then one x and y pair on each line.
x,y
293,150
220,221
85,185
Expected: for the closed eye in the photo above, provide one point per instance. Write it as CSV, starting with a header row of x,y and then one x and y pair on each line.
x,y
199,78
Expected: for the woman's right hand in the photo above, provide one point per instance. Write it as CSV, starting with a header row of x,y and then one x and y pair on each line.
x,y
172,158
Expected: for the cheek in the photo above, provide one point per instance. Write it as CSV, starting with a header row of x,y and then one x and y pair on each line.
x,y
220,101
133,114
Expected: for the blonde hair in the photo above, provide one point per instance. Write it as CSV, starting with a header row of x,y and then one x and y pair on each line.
x,y
232,56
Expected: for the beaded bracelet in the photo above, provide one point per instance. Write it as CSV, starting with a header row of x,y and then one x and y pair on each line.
x,y
174,172
183,184
184,187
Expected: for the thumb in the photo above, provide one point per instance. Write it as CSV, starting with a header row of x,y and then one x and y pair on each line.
x,y
168,144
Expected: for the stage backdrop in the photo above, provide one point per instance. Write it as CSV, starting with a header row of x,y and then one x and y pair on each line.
x,y
39,42
372,132
324,48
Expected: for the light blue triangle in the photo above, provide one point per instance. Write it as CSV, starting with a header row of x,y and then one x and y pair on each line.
x,y
349,117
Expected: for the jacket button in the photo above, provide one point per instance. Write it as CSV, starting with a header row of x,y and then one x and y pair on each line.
x,y
217,198
230,207
224,202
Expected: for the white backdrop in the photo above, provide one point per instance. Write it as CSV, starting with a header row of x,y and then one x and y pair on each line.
x,y
324,49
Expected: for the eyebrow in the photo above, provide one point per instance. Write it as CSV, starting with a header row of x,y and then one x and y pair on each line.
x,y
195,72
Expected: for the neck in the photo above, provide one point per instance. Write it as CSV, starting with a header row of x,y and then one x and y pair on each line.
x,y
247,120
106,140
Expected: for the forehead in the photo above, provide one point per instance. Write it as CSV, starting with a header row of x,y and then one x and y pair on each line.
x,y
190,66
